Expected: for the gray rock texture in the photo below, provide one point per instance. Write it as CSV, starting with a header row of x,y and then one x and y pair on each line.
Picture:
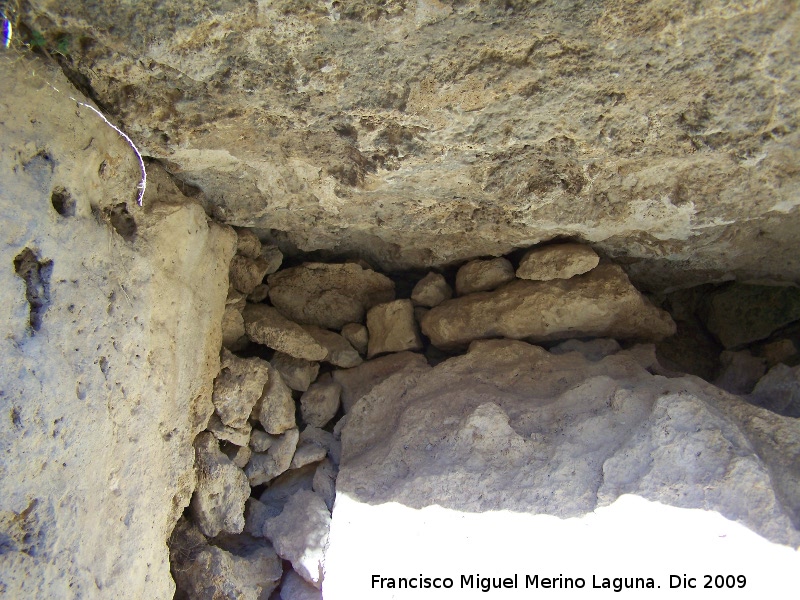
x,y
328,295
357,335
600,303
275,409
779,391
412,136
321,402
295,372
509,426
560,261
266,466
111,320
358,381
300,534
339,351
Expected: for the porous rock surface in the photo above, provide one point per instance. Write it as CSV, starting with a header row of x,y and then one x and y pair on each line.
x,y
560,261
427,133
509,426
111,320
600,303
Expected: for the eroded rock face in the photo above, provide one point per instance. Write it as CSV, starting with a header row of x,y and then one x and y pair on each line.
x,y
427,133
111,320
600,303
578,433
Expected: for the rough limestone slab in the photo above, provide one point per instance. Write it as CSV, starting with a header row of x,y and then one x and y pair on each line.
x,y
265,325
300,534
600,303
392,328
328,295
238,436
321,402
358,381
527,431
222,489
238,387
340,352
431,290
297,373
560,261
483,275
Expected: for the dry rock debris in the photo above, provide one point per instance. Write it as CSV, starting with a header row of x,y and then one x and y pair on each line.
x,y
297,373
238,436
779,391
321,402
238,387
265,325
266,466
560,261
600,303
294,587
300,534
483,275
232,328
328,295
339,351
431,290
247,273
275,409
222,489
392,328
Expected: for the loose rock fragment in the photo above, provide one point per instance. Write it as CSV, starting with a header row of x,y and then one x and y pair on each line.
x,y
238,455
232,328
483,275
357,335
779,391
294,587
328,295
222,489
247,273
285,486
275,409
340,352
324,482
779,351
264,467
300,534
238,387
321,402
259,293
255,515
260,441
600,303
273,257
560,261
392,328
265,325
297,373
224,433
431,290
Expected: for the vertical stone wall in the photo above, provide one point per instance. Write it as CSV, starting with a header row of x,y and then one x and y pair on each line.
x,y
111,331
